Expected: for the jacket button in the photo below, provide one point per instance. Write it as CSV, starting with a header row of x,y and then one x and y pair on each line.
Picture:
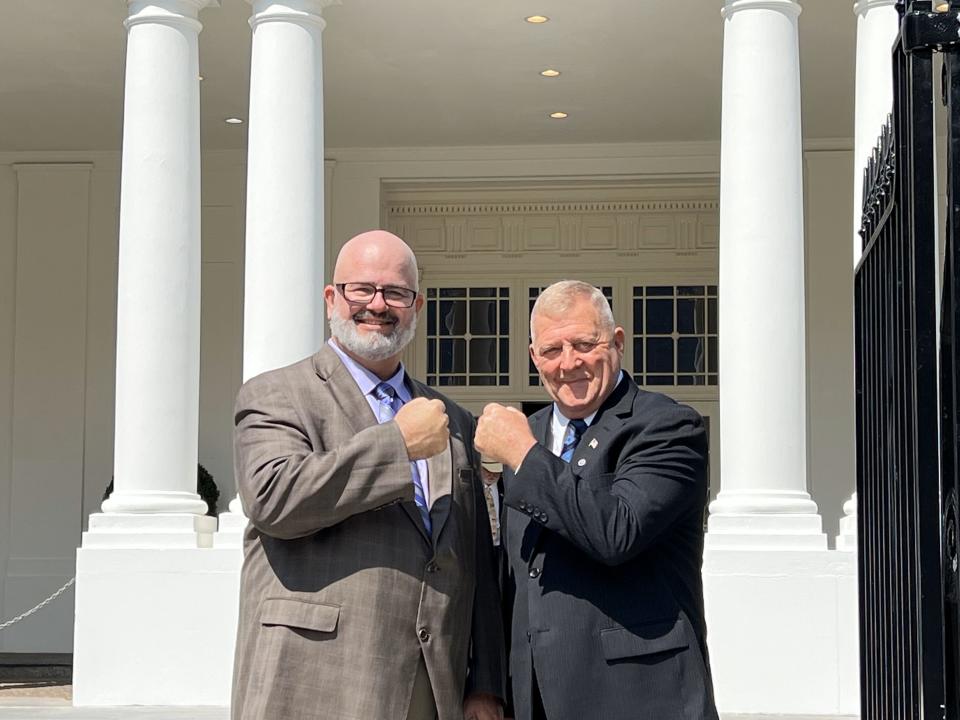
x,y
432,567
423,635
534,572
522,505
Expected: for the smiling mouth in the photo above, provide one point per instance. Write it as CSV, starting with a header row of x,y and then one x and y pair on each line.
x,y
368,318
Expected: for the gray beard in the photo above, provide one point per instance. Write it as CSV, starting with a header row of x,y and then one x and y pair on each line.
x,y
371,346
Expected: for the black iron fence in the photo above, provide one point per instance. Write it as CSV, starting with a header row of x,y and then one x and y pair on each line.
x,y
907,426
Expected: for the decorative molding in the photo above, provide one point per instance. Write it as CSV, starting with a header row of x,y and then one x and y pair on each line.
x,y
560,228
448,209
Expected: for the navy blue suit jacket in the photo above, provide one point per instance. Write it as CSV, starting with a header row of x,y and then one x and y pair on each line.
x,y
605,558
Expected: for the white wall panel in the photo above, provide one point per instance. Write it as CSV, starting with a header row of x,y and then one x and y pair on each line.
x,y
8,287
221,329
829,294
541,233
101,332
708,232
483,234
657,231
46,494
221,359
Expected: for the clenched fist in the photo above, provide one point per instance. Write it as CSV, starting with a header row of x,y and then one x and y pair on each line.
x,y
423,424
504,435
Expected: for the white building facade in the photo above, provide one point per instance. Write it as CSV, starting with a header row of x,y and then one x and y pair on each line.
x,y
728,265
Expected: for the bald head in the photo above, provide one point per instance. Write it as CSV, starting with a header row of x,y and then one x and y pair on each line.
x,y
375,324
375,249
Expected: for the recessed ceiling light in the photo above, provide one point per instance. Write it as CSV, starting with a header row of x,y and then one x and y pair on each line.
x,y
536,19
234,121
558,115
549,72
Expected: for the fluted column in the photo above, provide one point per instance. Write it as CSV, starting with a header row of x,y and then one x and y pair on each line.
x,y
284,269
877,28
763,501
154,500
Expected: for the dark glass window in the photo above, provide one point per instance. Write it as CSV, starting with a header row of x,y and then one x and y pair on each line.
x,y
675,335
468,340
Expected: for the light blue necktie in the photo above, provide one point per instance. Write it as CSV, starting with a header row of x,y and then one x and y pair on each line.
x,y
389,405
575,430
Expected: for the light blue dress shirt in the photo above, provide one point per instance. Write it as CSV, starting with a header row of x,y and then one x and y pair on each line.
x,y
367,381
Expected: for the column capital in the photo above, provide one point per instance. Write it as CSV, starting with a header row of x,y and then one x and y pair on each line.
x,y
297,11
787,7
182,13
862,7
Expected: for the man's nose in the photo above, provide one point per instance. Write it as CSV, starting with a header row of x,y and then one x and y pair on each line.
x,y
569,359
377,303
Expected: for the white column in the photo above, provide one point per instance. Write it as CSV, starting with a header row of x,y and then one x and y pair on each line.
x,y
763,501
154,501
283,316
877,28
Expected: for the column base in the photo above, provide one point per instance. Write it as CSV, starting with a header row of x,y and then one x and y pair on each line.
x,y
155,626
782,630
776,520
168,502
142,530
230,532
847,539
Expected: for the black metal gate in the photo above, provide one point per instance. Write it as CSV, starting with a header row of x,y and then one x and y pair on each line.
x,y
907,423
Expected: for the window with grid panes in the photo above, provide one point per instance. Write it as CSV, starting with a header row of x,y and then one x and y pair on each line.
x,y
468,332
675,335
533,377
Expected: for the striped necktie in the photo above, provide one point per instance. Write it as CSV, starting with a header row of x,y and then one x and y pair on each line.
x,y
389,405
575,429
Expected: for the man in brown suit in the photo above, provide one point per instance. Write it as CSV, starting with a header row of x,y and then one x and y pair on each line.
x,y
369,587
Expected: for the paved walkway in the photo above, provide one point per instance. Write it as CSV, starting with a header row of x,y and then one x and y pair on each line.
x,y
50,700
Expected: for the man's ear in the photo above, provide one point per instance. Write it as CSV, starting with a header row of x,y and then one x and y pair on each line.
x,y
418,303
329,296
618,339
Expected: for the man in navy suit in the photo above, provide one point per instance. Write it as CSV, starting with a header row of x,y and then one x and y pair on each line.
x,y
603,528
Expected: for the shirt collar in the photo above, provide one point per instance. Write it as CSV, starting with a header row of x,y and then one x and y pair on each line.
x,y
367,380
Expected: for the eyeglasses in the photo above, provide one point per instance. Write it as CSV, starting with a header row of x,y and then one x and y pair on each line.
x,y
358,293
579,347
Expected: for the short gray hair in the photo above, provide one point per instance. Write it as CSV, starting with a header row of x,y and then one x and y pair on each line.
x,y
558,298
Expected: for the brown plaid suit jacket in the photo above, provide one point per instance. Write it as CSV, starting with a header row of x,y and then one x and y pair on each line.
x,y
342,589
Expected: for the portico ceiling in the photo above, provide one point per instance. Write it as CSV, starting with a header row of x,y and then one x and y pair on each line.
x,y
428,72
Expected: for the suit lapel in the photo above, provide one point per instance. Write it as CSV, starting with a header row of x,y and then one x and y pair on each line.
x,y
344,389
611,415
